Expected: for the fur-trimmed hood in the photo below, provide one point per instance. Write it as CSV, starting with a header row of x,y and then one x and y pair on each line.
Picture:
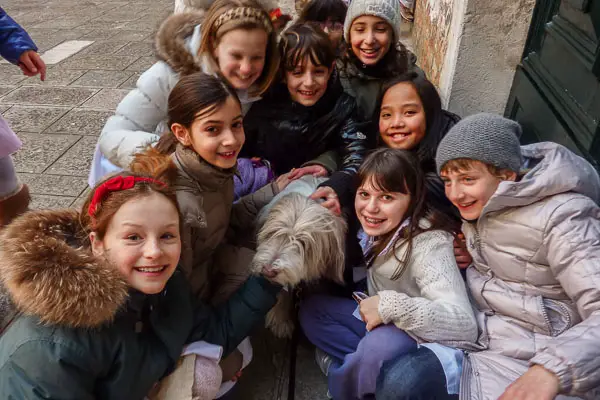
x,y
48,270
177,43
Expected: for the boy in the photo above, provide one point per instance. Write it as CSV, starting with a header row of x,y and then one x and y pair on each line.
x,y
534,235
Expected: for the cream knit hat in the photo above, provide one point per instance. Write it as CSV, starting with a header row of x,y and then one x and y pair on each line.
x,y
389,10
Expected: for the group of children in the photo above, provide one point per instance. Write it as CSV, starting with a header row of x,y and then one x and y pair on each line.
x,y
149,281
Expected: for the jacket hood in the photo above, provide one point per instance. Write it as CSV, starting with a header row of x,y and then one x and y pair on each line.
x,y
49,271
177,43
553,170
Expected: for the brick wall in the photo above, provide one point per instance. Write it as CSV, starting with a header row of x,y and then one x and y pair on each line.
x,y
430,35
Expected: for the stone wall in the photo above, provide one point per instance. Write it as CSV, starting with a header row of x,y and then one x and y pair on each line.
x,y
470,49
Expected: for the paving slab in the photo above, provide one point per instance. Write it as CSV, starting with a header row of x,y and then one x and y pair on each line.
x,y
130,35
58,96
100,78
101,48
33,118
45,202
131,82
104,62
6,89
58,185
106,99
77,160
40,151
81,122
139,49
4,108
57,77
142,64
11,75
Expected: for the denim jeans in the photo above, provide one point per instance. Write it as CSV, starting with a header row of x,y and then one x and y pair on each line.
x,y
415,376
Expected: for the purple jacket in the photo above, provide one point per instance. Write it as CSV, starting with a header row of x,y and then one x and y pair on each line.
x,y
14,41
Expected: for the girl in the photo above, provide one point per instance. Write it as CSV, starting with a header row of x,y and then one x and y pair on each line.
x,y
307,113
16,47
415,291
234,40
374,52
330,15
103,311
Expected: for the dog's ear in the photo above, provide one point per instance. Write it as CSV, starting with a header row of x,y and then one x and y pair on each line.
x,y
337,259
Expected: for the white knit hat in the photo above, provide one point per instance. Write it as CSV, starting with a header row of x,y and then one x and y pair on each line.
x,y
389,10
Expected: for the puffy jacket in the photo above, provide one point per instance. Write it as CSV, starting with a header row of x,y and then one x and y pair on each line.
x,y
289,135
141,117
536,277
81,335
14,41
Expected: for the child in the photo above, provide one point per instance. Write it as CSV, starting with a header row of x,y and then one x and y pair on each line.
x,y
374,53
234,40
104,312
330,15
307,113
532,224
16,47
416,292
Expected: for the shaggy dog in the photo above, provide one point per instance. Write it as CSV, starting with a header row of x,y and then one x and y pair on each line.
x,y
298,241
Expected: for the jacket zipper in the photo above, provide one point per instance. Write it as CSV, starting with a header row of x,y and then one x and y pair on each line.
x,y
465,389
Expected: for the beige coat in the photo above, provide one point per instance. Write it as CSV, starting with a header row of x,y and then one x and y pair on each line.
x,y
205,197
536,277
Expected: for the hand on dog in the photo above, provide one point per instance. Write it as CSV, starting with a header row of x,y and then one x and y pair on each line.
x,y
463,258
536,384
332,203
283,181
314,170
31,64
369,311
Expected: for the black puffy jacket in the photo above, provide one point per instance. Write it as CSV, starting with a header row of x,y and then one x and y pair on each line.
x,y
289,134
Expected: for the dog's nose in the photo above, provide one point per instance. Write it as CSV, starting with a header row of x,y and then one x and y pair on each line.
x,y
269,272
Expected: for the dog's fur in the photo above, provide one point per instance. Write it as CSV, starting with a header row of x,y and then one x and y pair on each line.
x,y
303,242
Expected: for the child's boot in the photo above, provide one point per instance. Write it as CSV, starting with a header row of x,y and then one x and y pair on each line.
x,y
14,205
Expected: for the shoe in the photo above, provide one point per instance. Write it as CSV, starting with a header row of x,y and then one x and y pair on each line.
x,y
14,205
323,360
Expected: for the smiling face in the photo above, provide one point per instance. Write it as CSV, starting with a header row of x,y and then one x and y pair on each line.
x,y
470,189
379,212
402,122
370,39
145,250
240,54
307,82
217,137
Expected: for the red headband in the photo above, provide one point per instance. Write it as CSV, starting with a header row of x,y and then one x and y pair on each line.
x,y
115,184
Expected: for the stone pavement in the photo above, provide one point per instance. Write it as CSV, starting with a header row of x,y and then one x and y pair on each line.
x,y
59,122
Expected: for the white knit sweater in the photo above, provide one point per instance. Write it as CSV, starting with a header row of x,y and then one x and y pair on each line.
x,y
429,300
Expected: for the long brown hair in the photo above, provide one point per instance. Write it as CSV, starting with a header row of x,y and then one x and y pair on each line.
x,y
393,170
213,30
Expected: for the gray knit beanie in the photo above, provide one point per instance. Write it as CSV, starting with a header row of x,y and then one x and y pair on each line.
x,y
488,138
389,10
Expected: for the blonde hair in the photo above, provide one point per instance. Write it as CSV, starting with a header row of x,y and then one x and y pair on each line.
x,y
227,15
463,164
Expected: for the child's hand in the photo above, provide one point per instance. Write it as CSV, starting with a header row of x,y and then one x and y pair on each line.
x,y
283,181
536,384
314,170
369,311
332,203
32,64
463,258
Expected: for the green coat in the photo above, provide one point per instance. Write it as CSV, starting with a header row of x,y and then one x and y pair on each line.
x,y
81,335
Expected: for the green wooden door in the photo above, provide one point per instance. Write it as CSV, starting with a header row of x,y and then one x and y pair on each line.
x,y
556,90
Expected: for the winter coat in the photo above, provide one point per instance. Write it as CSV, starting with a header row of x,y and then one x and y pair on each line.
x,y
205,197
536,277
82,334
289,134
14,40
141,117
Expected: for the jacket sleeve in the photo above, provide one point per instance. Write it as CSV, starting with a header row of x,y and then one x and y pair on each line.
x,y
138,115
329,160
47,370
229,323
244,212
572,242
14,40
442,312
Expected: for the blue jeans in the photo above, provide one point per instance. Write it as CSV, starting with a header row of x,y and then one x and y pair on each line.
x,y
415,376
358,355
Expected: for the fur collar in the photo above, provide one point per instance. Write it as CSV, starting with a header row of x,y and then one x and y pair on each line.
x,y
177,43
48,270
